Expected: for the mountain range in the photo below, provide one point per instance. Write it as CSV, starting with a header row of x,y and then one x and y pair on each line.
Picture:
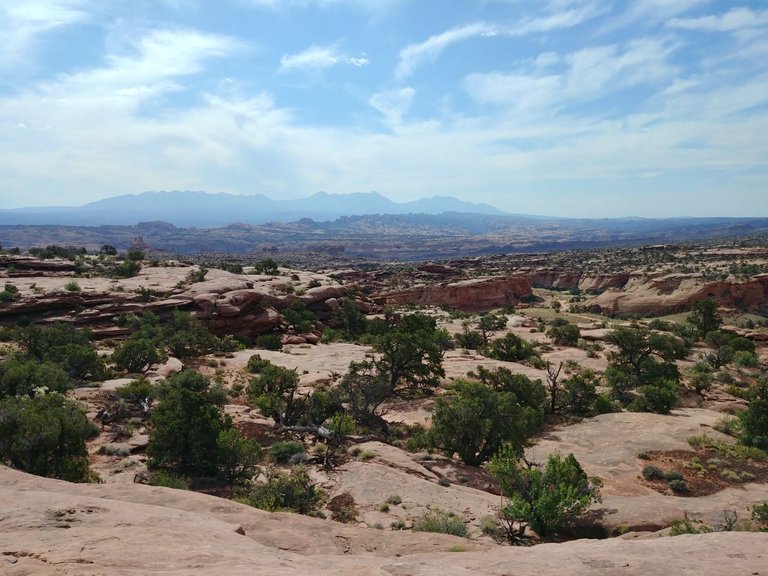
x,y
201,209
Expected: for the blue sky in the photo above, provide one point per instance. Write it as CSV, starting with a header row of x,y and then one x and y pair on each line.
x,y
581,108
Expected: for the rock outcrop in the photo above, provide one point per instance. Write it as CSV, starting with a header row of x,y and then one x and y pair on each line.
x,y
52,528
678,292
555,280
227,303
476,294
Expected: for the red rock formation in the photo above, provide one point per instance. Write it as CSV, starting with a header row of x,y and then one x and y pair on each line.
x,y
470,295
554,280
674,293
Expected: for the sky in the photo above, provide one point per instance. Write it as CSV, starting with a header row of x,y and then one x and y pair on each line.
x,y
581,108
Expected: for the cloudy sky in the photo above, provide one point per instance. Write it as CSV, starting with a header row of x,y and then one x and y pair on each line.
x,y
555,107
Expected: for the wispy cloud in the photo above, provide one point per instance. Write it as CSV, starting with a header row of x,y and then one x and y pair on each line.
x,y
377,7
588,74
319,58
393,104
22,22
415,55
733,20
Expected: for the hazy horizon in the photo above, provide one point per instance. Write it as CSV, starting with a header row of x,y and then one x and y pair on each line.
x,y
566,108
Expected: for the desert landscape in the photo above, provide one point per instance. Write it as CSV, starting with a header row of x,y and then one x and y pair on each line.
x,y
383,287
386,418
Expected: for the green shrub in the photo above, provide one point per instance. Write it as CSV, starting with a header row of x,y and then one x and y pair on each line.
x,y
394,499
282,452
26,378
660,396
686,526
542,497
168,480
441,522
293,492
745,359
256,364
269,341
678,486
653,473
490,526
754,420
185,425
45,435
72,286
728,425
114,450
760,516
136,355
477,419
603,404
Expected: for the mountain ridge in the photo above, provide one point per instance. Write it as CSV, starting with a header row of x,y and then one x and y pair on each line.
x,y
204,209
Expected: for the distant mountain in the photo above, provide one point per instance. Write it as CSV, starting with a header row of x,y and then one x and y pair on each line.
x,y
201,209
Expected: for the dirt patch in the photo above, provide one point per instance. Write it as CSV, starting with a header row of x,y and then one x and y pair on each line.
x,y
342,508
705,471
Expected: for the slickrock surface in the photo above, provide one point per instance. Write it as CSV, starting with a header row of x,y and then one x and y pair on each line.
x,y
54,528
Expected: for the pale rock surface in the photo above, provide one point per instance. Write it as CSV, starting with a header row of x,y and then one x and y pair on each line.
x,y
55,528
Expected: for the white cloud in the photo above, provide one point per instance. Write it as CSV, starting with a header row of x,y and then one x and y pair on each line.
x,y
22,22
319,58
731,21
414,55
393,104
376,7
590,74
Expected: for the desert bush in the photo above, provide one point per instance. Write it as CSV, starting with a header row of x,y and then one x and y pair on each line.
x,y
20,377
441,522
745,359
477,420
542,497
603,404
114,450
267,267
660,396
470,339
237,457
168,480
185,426
687,526
298,317
653,473
45,435
272,341
138,394
563,333
760,516
136,355
754,420
510,348
728,425
72,286
410,353
580,392
293,492
282,452
394,499
678,486
256,364
642,358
